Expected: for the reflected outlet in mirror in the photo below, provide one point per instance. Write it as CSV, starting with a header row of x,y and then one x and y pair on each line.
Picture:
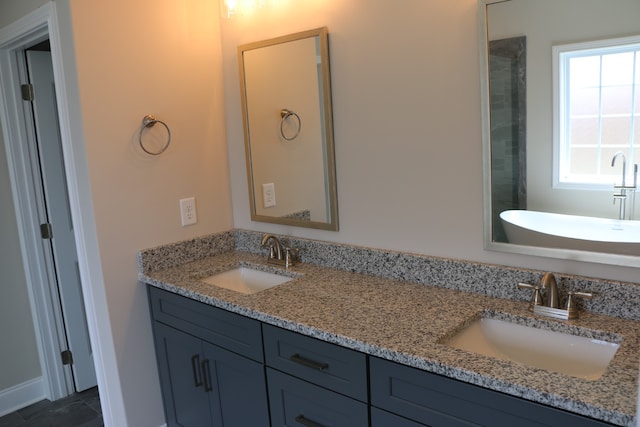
x,y
246,280
552,351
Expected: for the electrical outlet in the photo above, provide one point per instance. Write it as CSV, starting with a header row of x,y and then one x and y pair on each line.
x,y
188,214
269,195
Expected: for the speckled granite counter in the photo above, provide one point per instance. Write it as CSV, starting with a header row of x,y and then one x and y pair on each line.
x,y
405,322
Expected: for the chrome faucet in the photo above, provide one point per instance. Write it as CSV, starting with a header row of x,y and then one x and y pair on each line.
x,y
622,195
627,192
550,307
624,165
548,282
275,248
279,254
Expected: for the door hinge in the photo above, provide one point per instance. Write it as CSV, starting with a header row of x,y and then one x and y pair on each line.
x,y
46,231
27,92
67,357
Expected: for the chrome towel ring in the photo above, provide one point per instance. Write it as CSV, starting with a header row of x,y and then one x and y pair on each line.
x,y
149,121
285,114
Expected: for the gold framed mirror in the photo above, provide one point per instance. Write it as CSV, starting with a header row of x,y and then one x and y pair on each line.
x,y
288,129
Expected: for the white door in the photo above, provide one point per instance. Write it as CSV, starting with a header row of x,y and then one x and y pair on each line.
x,y
63,245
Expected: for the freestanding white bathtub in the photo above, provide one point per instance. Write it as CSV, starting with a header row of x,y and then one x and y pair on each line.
x,y
552,230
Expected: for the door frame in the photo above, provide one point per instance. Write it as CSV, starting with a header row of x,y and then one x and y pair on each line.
x,y
27,195
14,38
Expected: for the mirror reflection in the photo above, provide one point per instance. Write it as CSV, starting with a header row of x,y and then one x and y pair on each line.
x,y
288,127
562,84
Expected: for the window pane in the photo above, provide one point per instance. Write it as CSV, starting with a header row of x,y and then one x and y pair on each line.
x,y
617,69
616,131
583,161
617,99
584,72
584,131
585,101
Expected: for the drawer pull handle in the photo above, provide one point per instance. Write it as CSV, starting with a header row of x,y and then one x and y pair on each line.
x,y
195,366
308,363
207,376
306,422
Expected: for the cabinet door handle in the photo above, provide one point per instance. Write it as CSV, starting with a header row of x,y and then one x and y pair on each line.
x,y
308,362
195,366
206,374
300,419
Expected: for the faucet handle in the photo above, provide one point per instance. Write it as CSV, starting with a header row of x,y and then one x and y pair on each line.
x,y
536,299
571,294
571,304
291,256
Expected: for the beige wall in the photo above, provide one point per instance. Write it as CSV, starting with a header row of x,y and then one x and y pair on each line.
x,y
133,59
406,97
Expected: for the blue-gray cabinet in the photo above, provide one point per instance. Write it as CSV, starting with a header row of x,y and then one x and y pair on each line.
x,y
222,369
204,384
313,383
437,401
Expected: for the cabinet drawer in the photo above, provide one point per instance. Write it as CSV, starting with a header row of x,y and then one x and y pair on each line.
x,y
217,326
294,402
327,365
380,418
439,401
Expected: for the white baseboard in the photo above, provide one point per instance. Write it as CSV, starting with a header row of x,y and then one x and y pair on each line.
x,y
21,395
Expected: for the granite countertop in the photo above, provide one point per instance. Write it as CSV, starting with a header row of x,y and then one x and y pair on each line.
x,y
406,323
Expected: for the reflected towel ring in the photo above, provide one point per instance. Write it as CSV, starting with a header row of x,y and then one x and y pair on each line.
x,y
149,121
285,114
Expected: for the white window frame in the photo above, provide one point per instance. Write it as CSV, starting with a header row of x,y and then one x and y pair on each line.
x,y
561,53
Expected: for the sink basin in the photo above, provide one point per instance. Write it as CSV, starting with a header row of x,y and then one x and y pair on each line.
x,y
246,280
553,351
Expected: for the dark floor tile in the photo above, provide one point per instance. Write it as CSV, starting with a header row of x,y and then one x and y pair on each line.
x,y
74,413
98,422
30,410
11,420
92,398
78,410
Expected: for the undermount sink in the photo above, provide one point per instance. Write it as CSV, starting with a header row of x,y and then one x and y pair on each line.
x,y
246,280
568,354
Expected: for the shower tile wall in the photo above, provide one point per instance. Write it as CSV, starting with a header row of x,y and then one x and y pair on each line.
x,y
507,64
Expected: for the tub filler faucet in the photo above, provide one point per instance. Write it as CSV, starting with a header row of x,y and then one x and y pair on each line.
x,y
626,192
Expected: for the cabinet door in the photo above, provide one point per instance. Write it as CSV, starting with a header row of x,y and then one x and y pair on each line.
x,y
180,366
236,387
297,403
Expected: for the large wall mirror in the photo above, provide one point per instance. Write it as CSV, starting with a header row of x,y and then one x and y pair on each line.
x,y
288,129
551,130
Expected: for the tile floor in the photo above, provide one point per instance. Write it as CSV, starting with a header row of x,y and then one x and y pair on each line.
x,y
78,410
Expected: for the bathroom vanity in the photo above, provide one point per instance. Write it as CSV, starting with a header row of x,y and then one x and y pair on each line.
x,y
332,347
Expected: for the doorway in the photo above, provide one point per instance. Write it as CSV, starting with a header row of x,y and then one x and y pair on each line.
x,y
40,193
56,223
